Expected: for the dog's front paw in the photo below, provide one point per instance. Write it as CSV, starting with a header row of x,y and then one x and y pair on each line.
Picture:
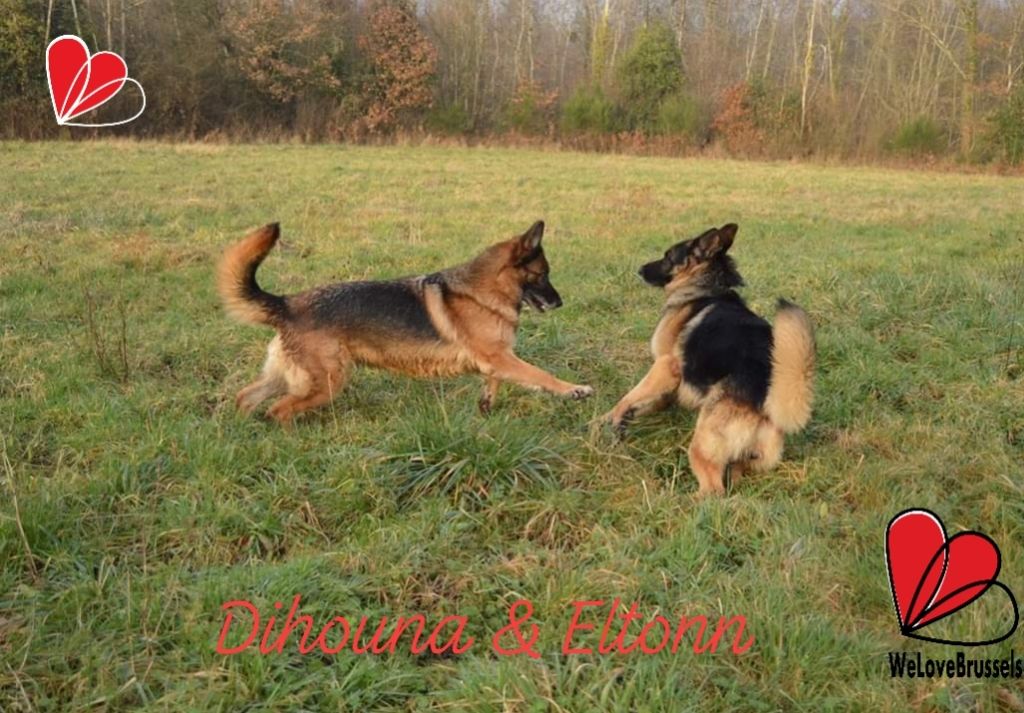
x,y
580,392
619,422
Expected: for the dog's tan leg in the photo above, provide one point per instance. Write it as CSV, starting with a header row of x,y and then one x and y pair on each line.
x,y
765,456
271,382
259,391
769,447
509,367
325,387
726,432
708,450
490,392
738,469
323,375
708,471
654,392
288,407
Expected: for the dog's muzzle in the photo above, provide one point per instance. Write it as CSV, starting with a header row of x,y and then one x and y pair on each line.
x,y
653,273
542,297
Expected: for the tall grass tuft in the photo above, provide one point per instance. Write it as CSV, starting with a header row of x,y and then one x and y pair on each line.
x,y
467,459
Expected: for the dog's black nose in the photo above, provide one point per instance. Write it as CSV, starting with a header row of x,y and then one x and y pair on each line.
x,y
640,272
557,303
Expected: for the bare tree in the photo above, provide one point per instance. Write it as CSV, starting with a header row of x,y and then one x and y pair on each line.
x,y
808,65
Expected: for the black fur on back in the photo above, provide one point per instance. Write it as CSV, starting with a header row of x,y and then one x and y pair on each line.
x,y
386,306
731,345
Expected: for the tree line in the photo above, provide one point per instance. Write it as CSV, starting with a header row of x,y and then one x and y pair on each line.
x,y
846,78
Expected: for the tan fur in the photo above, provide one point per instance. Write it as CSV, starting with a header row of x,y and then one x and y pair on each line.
x,y
730,434
666,335
791,395
475,316
237,261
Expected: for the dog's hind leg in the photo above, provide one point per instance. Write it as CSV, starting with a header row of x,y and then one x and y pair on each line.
x,y
768,448
259,391
765,454
271,382
725,433
710,472
315,381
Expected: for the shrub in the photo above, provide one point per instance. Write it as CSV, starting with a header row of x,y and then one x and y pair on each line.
x,y
921,137
736,123
680,115
590,111
752,114
651,71
1006,128
451,120
529,111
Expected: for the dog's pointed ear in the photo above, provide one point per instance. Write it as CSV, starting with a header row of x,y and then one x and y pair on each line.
x,y
715,242
528,244
530,240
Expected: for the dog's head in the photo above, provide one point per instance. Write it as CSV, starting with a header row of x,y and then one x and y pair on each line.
x,y
531,270
699,261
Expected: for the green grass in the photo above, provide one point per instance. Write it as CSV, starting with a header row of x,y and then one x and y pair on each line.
x,y
144,502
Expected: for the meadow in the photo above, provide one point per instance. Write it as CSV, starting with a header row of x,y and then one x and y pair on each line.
x,y
135,501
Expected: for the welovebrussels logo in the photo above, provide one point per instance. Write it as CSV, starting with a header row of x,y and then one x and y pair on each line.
x,y
933,576
80,82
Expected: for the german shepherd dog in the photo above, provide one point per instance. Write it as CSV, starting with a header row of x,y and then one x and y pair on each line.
x,y
750,381
462,319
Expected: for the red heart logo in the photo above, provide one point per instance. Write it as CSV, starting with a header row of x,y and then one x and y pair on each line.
x,y
933,576
80,82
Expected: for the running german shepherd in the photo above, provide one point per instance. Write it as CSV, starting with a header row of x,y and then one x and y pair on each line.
x,y
462,319
751,381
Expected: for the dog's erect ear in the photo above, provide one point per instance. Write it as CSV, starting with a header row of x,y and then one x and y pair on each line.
x,y
715,242
530,240
728,233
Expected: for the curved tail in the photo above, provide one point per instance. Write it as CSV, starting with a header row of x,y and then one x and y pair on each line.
x,y
791,394
236,279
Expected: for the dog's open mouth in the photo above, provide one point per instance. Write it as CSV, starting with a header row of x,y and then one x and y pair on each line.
x,y
539,302
535,301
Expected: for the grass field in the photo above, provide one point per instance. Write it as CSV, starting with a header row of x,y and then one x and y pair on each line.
x,y
135,501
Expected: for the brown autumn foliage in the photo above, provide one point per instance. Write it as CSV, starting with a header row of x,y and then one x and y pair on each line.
x,y
404,63
282,50
736,124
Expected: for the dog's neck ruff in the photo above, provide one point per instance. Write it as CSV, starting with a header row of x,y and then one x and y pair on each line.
x,y
504,312
683,296
715,283
688,294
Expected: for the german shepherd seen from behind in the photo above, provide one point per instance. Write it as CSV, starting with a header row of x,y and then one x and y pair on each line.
x,y
751,381
459,320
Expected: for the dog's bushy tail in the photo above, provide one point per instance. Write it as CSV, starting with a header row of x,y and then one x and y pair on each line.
x,y
236,279
791,394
